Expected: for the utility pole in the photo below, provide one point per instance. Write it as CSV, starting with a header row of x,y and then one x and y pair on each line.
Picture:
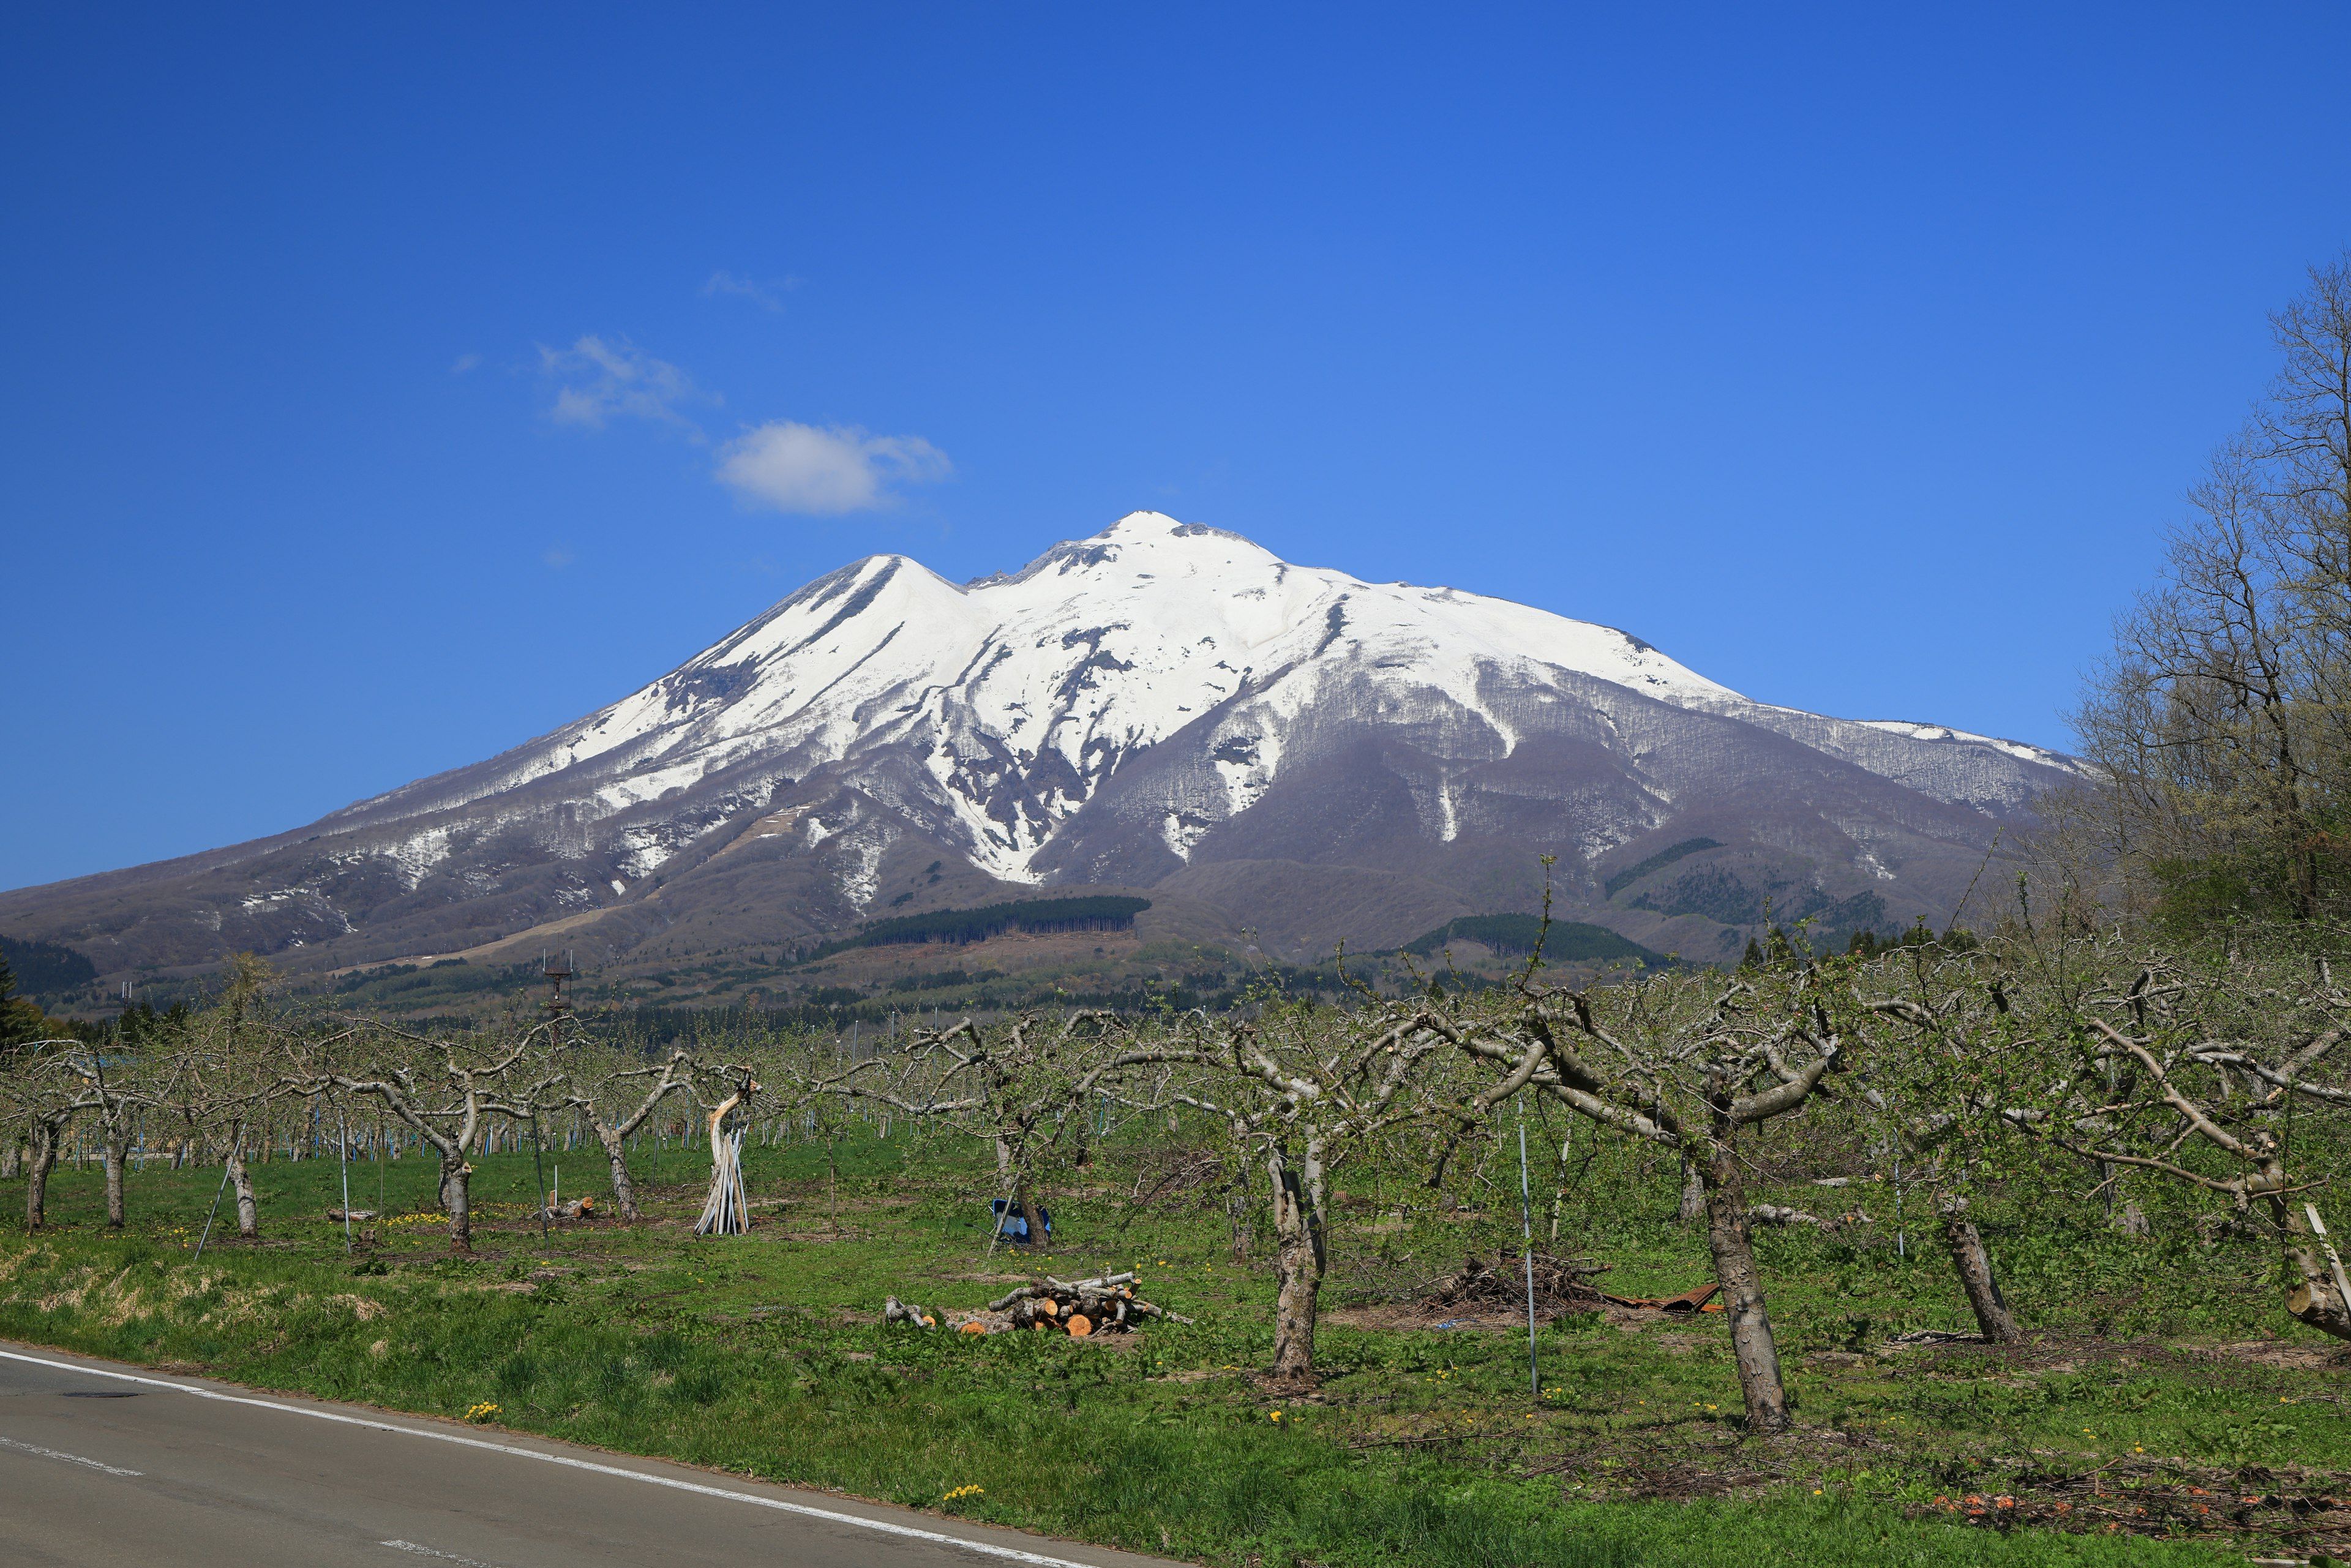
x,y
556,969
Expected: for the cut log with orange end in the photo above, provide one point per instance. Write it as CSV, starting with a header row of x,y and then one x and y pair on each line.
x,y
1049,1307
1081,1325
973,1328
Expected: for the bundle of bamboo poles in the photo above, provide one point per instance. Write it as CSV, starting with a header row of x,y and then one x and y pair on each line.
x,y
727,1210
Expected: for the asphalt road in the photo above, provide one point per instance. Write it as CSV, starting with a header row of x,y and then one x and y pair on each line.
x,y
106,1464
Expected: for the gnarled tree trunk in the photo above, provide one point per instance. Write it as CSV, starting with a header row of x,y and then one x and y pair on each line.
x,y
1973,1265
1751,1345
38,1164
1299,1262
248,1212
625,1192
114,1151
1693,1191
455,1197
2321,1296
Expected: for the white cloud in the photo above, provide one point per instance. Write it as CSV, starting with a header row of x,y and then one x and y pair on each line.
x,y
609,380
767,294
796,467
463,363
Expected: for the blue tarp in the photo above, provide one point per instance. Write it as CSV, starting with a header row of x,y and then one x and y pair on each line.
x,y
1016,1227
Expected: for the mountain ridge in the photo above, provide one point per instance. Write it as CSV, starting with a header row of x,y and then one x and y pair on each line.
x,y
1163,706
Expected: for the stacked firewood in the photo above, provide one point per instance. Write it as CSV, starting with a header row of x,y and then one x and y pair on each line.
x,y
1106,1304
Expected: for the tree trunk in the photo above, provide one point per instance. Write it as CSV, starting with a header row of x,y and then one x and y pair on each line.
x,y
832,1196
625,1192
455,1198
1742,1286
12,1160
1298,1265
1693,1192
38,1165
1559,1190
114,1151
2323,1297
248,1213
1974,1266
1027,1200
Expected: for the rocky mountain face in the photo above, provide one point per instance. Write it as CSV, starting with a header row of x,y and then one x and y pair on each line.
x,y
1163,708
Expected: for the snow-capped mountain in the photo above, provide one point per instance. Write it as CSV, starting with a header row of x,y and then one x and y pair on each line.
x,y
1162,705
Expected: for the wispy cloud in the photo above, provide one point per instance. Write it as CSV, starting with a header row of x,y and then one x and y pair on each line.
x,y
795,467
464,362
603,381
768,294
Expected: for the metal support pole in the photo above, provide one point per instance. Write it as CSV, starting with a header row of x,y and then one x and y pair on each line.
x,y
343,1156
1901,1236
208,1236
1527,1226
538,1158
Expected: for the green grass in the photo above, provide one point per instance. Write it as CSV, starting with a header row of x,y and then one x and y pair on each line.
x,y
763,1356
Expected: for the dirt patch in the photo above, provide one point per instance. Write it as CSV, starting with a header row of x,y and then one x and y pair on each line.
x,y
2168,1499
1513,1320
1423,1315
2280,1353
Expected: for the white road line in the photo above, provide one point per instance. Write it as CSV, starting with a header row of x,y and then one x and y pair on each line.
x,y
907,1531
70,1458
429,1552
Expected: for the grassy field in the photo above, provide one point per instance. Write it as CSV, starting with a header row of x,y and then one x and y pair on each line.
x,y
2166,1410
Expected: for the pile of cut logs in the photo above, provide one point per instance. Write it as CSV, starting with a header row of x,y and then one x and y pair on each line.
x,y
1106,1304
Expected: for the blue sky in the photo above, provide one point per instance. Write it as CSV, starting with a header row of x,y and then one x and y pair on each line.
x,y
392,387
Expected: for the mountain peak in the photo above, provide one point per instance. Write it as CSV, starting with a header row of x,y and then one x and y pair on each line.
x,y
1158,704
1145,541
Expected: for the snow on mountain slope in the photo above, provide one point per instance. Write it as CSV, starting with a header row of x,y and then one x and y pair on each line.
x,y
1024,691
1028,689
1157,701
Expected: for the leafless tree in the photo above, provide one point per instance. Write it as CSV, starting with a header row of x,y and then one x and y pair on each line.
x,y
2221,723
441,1089
42,1091
2175,1077
617,1100
1688,1070
1304,1092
